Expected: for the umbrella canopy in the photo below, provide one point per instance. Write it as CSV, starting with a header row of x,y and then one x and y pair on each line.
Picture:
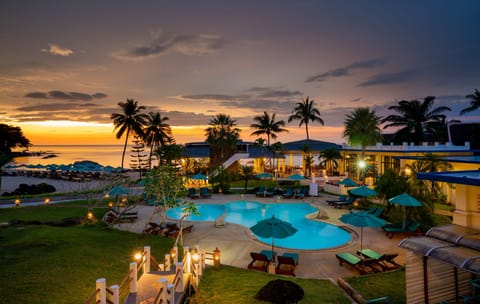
x,y
405,200
362,191
264,175
118,190
362,219
199,176
296,176
348,182
274,228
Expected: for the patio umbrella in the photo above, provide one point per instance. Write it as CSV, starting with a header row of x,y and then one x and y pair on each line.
x,y
118,190
405,200
199,176
263,175
296,176
362,191
348,182
362,219
274,228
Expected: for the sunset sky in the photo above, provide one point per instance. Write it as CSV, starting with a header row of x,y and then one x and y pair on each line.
x,y
64,65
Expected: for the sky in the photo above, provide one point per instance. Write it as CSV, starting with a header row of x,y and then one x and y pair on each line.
x,y
65,65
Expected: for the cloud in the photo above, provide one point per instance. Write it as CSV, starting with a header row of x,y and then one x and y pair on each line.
x,y
274,93
163,43
389,78
345,71
55,107
57,50
65,95
211,97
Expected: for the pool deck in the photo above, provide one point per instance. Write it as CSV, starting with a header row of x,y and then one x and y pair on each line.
x,y
236,242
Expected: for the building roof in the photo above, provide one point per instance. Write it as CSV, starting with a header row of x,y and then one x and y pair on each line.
x,y
470,177
451,244
315,145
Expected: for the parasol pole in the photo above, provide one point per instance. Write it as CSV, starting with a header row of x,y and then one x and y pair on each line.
x,y
361,238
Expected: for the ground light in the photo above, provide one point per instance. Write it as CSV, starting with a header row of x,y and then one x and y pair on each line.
x,y
17,202
137,255
216,258
46,201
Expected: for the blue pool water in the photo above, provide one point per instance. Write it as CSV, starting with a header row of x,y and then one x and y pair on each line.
x,y
311,235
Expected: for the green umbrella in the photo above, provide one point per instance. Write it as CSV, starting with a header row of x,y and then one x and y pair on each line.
x,y
118,190
362,219
274,228
362,191
263,175
405,200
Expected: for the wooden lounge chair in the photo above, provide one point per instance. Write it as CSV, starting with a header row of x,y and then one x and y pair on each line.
x,y
341,198
386,261
174,231
154,228
411,227
346,202
261,260
115,216
220,221
286,263
363,266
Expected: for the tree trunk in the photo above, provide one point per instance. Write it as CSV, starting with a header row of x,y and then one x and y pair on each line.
x,y
125,146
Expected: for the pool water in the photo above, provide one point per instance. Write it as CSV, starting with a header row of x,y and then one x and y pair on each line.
x,y
311,235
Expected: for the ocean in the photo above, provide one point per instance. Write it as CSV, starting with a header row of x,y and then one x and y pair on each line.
x,y
68,154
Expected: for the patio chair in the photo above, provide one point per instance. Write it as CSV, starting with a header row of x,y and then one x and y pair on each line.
x,y
205,192
364,266
220,221
341,198
386,261
377,211
286,263
173,233
301,194
288,193
116,215
346,202
192,193
154,228
411,227
261,260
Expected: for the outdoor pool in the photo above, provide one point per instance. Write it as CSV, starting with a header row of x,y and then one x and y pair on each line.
x,y
311,235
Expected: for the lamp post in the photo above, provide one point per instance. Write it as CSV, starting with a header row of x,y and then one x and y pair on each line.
x,y
17,202
46,201
361,166
216,258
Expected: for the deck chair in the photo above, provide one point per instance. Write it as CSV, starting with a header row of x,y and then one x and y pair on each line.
x,y
288,193
377,211
173,233
346,202
341,198
261,191
301,194
411,227
154,228
205,193
220,221
192,193
261,260
286,263
116,216
363,266
386,261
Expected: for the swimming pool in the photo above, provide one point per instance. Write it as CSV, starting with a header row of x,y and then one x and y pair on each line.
x,y
311,235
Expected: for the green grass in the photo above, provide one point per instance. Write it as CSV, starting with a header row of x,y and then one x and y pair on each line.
x,y
232,285
45,264
378,285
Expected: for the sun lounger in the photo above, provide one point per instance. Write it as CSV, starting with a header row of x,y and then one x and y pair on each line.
x,y
205,193
386,261
377,211
346,202
261,260
154,228
341,198
116,216
192,193
363,266
174,231
286,263
385,300
301,194
288,193
410,228
220,221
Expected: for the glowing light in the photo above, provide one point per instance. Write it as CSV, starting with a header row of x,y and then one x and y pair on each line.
x,y
138,256
362,164
46,201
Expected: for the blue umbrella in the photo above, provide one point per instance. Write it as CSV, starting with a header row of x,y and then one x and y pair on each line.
x,y
296,176
362,219
362,191
274,228
118,190
264,175
348,182
199,176
406,200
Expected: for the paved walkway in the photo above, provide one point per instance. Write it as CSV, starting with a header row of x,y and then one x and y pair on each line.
x,y
236,242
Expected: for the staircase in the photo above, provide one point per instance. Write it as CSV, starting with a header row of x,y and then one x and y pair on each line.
x,y
235,157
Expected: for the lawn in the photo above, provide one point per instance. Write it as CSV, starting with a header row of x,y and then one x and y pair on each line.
x,y
378,285
47,264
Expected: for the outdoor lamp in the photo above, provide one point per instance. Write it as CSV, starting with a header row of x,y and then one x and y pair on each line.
x,y
362,164
110,204
195,256
216,258
17,202
137,256
106,195
90,216
46,200
355,204
173,253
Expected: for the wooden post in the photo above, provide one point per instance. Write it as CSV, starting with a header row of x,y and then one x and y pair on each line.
x,y
167,262
146,258
179,270
164,287
133,277
175,252
116,294
101,297
171,293
187,257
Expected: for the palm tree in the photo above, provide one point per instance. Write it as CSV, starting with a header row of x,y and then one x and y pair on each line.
x,y
417,119
328,159
268,126
362,128
157,133
474,102
306,112
222,134
131,120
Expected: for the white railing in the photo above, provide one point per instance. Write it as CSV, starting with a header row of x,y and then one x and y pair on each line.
x,y
424,147
231,160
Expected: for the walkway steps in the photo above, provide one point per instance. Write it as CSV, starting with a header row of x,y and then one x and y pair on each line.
x,y
148,287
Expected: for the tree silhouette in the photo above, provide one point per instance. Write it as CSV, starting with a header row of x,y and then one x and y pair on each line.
x,y
474,102
306,112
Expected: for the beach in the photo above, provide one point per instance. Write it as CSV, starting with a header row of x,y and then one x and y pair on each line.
x,y
10,183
